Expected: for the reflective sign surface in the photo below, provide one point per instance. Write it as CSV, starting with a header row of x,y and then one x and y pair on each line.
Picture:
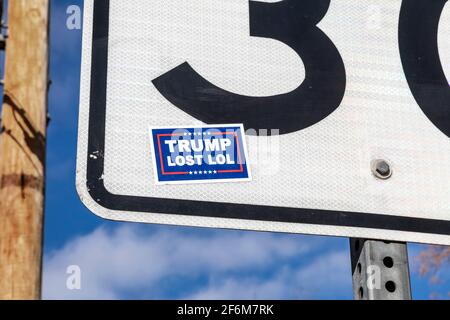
x,y
323,88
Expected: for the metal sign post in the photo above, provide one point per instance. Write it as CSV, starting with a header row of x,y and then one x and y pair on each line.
x,y
380,270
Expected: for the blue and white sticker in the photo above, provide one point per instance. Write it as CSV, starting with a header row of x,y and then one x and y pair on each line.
x,y
200,154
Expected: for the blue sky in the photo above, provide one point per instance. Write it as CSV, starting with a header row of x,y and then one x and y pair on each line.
x,y
133,261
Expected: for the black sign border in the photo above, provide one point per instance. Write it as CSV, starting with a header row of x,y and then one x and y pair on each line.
x,y
99,193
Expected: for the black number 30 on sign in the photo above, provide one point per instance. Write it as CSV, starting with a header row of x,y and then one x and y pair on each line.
x,y
293,22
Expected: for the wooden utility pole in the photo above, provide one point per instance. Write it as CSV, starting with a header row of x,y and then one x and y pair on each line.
x,y
22,149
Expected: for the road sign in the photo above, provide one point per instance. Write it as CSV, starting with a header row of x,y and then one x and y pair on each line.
x,y
345,103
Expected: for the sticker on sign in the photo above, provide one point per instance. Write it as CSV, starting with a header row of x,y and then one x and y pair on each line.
x,y
199,154
310,116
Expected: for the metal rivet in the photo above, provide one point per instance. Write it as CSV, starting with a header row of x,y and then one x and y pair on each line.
x,y
381,169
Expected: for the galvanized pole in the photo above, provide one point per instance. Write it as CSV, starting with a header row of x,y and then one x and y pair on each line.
x,y
380,270
22,149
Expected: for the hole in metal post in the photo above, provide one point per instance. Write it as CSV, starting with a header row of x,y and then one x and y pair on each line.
x,y
388,262
390,286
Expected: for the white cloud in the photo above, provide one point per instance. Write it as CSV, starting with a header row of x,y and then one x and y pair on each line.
x,y
131,261
246,289
327,276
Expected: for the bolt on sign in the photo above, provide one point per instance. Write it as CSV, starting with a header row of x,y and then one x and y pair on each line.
x,y
326,117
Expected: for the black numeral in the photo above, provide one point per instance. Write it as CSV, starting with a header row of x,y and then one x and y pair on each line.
x,y
418,40
294,23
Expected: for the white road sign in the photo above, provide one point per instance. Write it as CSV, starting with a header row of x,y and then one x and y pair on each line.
x,y
326,117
